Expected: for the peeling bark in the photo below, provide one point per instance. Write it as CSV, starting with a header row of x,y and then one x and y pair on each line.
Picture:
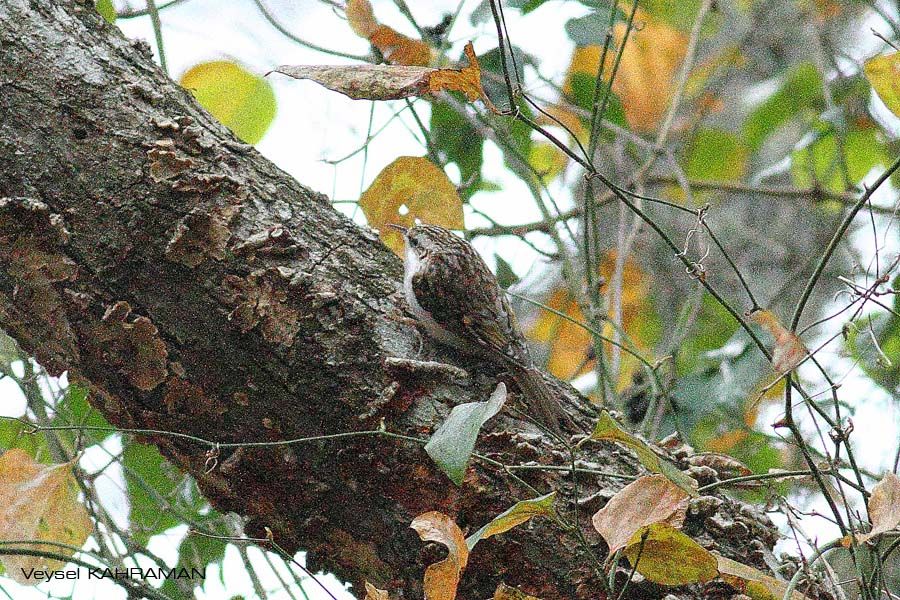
x,y
197,288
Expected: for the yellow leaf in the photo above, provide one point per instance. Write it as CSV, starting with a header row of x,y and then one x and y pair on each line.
x,y
788,351
392,82
726,440
767,390
607,429
516,515
827,10
884,507
752,582
883,72
547,160
373,593
649,499
442,578
505,592
647,70
569,343
665,555
39,502
239,99
361,18
557,114
410,188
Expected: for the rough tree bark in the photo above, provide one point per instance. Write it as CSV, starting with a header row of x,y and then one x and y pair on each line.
x,y
197,288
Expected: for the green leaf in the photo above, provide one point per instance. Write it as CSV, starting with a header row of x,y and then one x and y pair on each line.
x,y
14,434
518,136
711,329
816,162
530,5
240,100
495,86
680,15
106,10
506,277
451,446
715,155
607,429
547,160
517,514
582,95
723,380
864,150
720,396
801,89
513,132
151,483
455,137
199,551
74,409
819,162
9,350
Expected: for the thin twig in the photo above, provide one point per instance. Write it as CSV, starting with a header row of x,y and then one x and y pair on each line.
x,y
157,32
268,16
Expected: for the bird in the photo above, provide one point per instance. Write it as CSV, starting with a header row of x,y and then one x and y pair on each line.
x,y
456,298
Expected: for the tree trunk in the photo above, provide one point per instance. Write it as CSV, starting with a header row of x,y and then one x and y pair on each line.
x,y
197,288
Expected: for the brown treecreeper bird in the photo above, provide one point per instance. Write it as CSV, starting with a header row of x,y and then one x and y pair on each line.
x,y
454,295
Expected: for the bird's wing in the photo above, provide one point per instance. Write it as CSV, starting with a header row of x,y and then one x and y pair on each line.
x,y
462,296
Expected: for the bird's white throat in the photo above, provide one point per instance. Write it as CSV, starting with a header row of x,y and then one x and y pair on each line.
x,y
410,266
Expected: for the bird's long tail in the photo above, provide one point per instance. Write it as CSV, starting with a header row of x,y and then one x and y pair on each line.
x,y
541,399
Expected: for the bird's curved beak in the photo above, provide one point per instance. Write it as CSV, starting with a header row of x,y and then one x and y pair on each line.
x,y
399,228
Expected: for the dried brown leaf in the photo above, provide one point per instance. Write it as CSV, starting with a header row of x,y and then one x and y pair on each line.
x,y
650,499
788,351
373,593
442,578
361,19
506,592
39,502
399,49
884,507
392,82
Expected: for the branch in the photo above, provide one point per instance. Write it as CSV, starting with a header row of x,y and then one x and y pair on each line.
x,y
205,296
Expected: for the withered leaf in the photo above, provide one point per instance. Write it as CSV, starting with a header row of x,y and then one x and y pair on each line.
x,y
392,82
442,578
39,502
649,499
